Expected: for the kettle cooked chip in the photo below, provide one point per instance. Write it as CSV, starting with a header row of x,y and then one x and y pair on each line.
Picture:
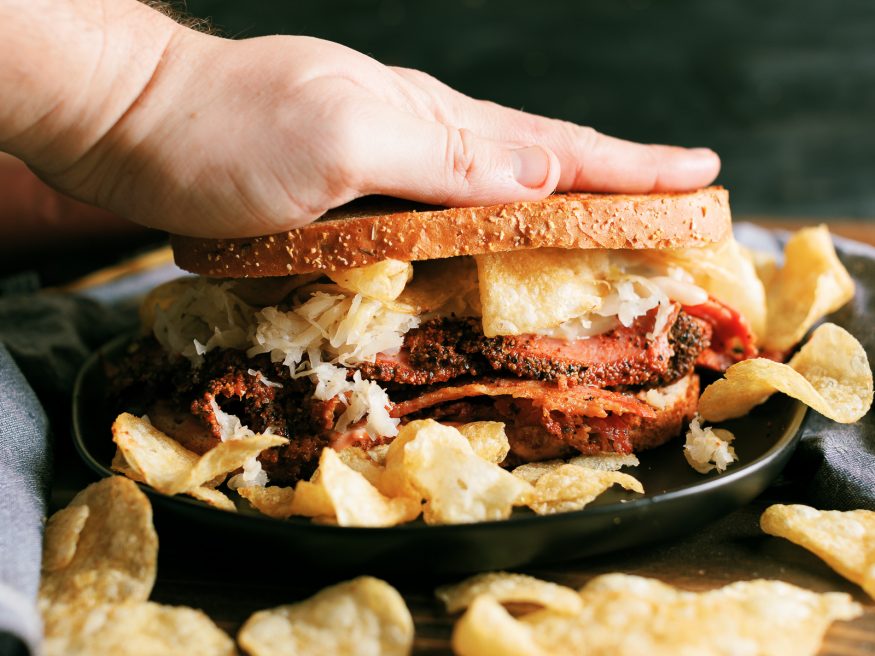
x,y
532,472
362,462
507,587
447,284
99,566
529,290
488,439
844,540
569,487
273,501
208,495
114,548
383,281
623,614
156,457
222,459
606,461
213,498
339,491
458,486
133,629
362,616
811,284
148,455
62,536
830,374
726,270
487,629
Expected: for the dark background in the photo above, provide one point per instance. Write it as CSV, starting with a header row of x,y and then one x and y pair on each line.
x,y
784,90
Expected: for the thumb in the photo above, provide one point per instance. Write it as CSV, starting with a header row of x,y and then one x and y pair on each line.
x,y
443,165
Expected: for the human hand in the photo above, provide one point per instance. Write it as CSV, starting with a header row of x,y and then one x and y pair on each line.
x,y
238,138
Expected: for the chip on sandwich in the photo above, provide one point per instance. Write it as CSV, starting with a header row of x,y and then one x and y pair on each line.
x,y
579,322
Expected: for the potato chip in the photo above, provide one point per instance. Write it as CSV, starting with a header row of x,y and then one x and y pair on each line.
x,y
62,536
115,550
163,463
383,281
830,374
458,486
448,285
632,615
99,566
507,587
359,460
310,499
222,459
869,568
395,481
273,501
133,629
766,266
530,290
340,492
726,271
488,439
569,487
120,464
487,629
378,454
213,498
206,494
362,616
358,503
811,284
606,461
844,540
532,472
158,458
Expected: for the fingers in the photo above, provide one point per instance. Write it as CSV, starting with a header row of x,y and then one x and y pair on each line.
x,y
590,161
434,163
595,162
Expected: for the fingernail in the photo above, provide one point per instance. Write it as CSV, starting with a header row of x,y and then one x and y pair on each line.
x,y
531,166
702,153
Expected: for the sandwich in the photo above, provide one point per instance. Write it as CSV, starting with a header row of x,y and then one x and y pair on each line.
x,y
581,322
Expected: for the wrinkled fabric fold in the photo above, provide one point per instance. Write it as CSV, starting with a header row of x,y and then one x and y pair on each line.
x,y
44,339
24,478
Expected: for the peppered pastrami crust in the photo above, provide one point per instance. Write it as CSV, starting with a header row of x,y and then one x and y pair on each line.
x,y
443,349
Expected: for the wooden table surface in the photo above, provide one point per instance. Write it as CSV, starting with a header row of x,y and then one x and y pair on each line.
x,y
230,584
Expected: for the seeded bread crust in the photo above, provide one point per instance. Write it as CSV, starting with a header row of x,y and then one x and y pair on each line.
x,y
376,229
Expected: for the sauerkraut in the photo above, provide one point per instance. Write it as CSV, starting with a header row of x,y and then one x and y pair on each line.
x,y
708,448
347,329
200,316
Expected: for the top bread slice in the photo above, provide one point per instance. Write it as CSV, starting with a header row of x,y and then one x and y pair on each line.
x,y
375,229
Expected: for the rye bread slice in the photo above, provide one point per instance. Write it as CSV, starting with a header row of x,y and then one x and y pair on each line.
x,y
375,229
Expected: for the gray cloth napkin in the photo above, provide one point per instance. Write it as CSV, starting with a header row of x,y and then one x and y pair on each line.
x,y
48,336
24,478
44,339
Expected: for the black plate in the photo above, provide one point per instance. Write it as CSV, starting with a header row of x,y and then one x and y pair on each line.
x,y
677,500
